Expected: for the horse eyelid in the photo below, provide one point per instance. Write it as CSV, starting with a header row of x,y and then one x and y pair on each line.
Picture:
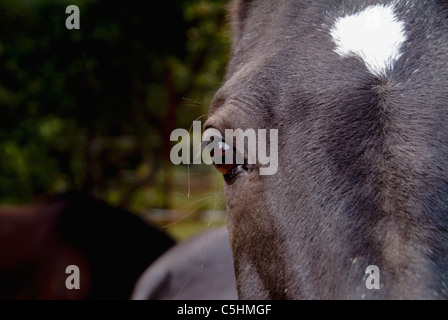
x,y
210,132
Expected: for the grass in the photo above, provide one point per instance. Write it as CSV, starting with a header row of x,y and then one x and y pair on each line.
x,y
186,229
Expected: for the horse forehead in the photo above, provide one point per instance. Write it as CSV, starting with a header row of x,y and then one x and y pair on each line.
x,y
374,34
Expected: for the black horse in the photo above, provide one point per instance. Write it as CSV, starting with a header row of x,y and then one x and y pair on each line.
x,y
198,269
358,91
111,248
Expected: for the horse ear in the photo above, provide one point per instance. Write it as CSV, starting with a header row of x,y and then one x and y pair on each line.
x,y
238,12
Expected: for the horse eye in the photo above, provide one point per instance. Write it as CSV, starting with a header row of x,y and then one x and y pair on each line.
x,y
228,160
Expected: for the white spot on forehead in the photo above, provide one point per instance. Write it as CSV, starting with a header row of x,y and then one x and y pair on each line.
x,y
375,35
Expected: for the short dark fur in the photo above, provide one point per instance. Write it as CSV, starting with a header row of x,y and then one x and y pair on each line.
x,y
363,160
111,247
118,245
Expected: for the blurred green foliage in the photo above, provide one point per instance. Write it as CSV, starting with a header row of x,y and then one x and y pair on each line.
x,y
93,109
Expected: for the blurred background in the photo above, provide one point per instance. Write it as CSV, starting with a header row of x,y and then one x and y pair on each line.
x,y
92,110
